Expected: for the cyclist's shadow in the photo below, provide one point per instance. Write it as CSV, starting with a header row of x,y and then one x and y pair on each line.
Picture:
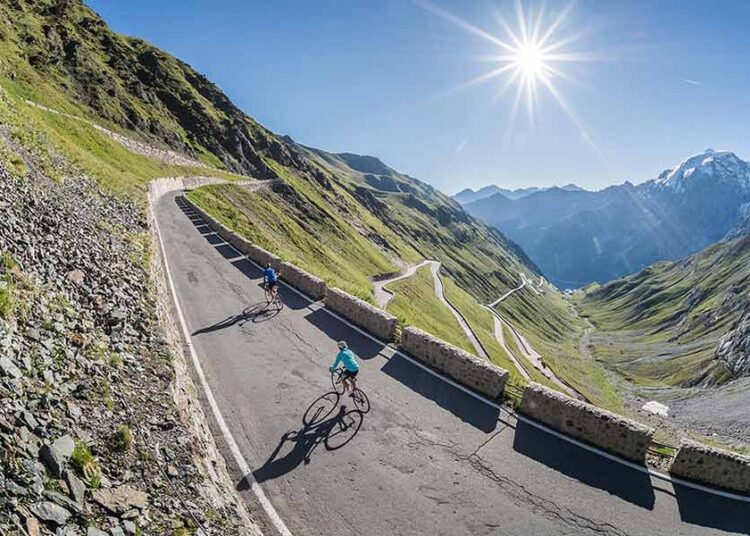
x,y
256,313
321,425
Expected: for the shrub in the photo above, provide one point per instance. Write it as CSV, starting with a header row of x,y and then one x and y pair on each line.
x,y
123,438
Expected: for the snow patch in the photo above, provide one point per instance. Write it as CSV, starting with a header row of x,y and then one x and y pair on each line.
x,y
657,408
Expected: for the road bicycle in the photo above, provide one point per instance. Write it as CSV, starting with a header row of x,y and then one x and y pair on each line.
x,y
273,298
361,402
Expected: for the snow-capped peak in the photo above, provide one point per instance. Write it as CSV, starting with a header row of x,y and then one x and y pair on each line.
x,y
722,166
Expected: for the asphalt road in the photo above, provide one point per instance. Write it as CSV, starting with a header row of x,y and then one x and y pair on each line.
x,y
426,459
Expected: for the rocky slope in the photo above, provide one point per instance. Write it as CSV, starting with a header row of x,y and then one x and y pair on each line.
x,y
91,435
578,237
734,347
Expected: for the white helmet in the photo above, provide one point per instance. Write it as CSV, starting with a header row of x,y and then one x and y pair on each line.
x,y
342,345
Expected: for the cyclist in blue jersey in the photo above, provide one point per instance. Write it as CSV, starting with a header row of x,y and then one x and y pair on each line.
x,y
351,368
271,281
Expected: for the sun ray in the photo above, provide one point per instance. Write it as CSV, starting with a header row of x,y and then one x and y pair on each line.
x,y
552,28
531,55
447,15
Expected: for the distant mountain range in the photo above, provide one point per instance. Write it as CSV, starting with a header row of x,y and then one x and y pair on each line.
x,y
578,237
469,196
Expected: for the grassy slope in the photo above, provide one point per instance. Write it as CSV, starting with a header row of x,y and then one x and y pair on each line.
x,y
550,325
660,327
345,259
61,54
483,325
415,304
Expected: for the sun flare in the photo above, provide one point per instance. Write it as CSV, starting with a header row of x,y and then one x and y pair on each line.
x,y
529,56
530,60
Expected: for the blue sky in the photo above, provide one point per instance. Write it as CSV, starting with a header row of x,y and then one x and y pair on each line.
x,y
671,79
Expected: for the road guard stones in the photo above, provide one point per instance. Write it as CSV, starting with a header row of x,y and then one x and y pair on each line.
x,y
599,427
462,366
299,279
361,313
717,467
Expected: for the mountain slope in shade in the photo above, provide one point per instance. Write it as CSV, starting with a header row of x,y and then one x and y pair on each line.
x,y
579,237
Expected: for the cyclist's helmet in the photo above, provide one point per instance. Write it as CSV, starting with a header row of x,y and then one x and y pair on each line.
x,y
342,345
268,265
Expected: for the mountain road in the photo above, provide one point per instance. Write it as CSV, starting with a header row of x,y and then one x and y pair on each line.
x,y
428,458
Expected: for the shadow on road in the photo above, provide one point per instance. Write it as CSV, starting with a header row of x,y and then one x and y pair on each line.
x,y
700,508
464,406
258,313
363,346
589,468
290,298
321,424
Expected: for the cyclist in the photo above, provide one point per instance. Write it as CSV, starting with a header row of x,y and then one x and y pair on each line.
x,y
351,368
270,280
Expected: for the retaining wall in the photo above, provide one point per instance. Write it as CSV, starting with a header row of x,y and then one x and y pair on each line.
x,y
599,427
159,187
462,366
717,467
299,279
361,313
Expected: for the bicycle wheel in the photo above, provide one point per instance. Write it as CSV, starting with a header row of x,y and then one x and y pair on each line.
x,y
321,409
336,382
361,401
269,295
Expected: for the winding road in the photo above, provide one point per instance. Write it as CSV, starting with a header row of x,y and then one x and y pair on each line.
x,y
531,355
384,296
429,458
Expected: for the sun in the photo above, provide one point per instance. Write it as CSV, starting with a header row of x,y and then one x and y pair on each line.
x,y
528,55
530,60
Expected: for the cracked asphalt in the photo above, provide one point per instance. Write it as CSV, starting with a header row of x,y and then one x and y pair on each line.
x,y
426,459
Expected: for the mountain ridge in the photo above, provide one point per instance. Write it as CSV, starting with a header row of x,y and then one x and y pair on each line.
x,y
468,195
580,237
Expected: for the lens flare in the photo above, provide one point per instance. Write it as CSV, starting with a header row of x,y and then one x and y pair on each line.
x,y
530,57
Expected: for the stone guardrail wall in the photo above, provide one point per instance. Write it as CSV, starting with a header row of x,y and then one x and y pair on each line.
x,y
462,366
599,427
159,187
361,313
307,283
718,467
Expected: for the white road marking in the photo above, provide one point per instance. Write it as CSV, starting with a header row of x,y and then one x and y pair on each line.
x,y
643,469
228,437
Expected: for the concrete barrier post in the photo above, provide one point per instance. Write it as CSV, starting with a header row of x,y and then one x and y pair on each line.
x,y
594,425
361,313
462,366
717,467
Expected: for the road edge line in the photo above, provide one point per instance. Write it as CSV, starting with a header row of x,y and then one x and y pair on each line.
x,y
248,476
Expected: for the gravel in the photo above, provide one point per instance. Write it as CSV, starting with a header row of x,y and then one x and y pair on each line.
x,y
88,420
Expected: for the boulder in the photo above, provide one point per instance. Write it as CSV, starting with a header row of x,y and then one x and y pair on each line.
x,y
121,499
56,455
50,512
75,276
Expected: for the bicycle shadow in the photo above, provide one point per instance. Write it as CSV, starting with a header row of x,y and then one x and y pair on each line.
x,y
321,425
257,313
